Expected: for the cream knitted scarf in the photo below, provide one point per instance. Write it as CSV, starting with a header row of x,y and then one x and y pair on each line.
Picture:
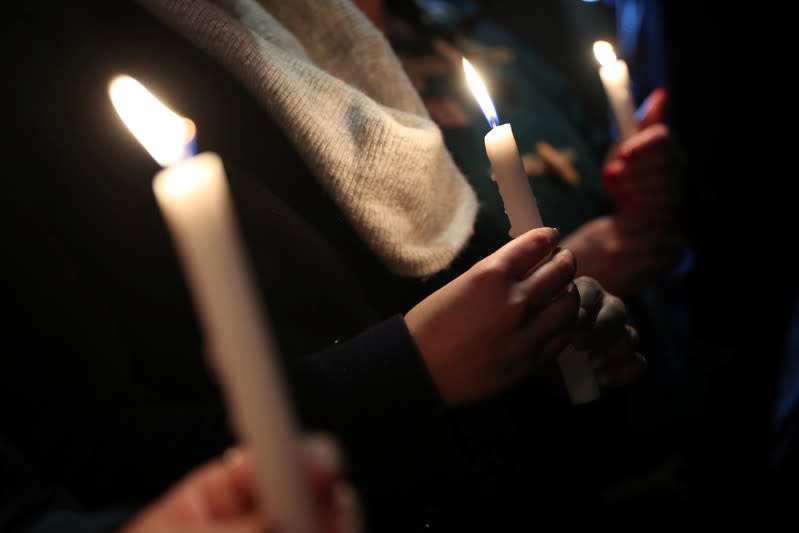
x,y
327,76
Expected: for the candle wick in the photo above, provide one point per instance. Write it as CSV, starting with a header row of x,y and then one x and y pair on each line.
x,y
190,148
493,122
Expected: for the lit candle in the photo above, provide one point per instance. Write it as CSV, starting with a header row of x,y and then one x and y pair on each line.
x,y
506,163
522,211
193,195
615,78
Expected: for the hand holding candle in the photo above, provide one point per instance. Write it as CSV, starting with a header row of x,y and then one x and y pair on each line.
x,y
192,192
522,210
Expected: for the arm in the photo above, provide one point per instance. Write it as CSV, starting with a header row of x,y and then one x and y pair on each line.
x,y
28,506
384,392
375,393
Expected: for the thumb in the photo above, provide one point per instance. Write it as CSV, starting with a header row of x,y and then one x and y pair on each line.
x,y
653,110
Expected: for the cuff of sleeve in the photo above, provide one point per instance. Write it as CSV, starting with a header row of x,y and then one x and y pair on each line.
x,y
375,393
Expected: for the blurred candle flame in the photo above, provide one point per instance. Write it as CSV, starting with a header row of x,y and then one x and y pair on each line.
x,y
167,136
603,51
480,93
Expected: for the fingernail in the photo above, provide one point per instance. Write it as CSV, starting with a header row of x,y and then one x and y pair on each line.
x,y
641,359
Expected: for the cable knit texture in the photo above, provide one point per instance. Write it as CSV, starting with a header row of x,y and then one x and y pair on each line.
x,y
329,78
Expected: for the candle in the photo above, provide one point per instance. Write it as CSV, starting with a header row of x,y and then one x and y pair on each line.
x,y
522,211
193,195
615,78
506,163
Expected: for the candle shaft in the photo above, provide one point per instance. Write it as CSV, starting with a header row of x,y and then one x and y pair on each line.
x,y
616,81
512,181
194,198
578,375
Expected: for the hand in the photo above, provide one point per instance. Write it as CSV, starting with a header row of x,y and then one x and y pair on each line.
x,y
498,321
604,329
627,251
643,172
623,253
219,497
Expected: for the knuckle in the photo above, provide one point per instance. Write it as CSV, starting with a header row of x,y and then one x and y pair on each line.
x,y
587,282
539,238
516,306
619,303
543,237
491,268
589,288
616,307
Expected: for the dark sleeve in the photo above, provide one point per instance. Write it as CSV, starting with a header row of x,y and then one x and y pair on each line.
x,y
69,522
74,399
374,392
28,506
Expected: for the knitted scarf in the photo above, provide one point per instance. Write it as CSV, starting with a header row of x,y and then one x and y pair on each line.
x,y
329,78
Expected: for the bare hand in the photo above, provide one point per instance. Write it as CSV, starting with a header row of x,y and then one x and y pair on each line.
x,y
219,497
623,252
643,174
498,321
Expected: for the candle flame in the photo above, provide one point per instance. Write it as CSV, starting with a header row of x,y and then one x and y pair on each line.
x,y
603,51
481,93
167,136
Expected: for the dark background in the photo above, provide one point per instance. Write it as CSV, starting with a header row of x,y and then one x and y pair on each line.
x,y
725,62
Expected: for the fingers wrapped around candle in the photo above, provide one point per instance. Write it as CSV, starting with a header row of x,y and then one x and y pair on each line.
x,y
604,329
500,320
645,172
622,364
336,500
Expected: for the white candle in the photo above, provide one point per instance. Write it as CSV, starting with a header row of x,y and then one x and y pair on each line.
x,y
522,210
193,195
615,78
512,181
506,163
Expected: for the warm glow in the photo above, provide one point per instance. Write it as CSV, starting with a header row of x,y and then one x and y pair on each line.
x,y
604,53
481,93
162,132
188,178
